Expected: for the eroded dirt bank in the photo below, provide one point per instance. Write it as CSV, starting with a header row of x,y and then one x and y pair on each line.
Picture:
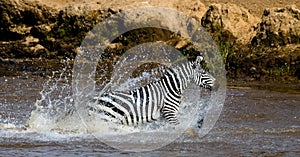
x,y
260,44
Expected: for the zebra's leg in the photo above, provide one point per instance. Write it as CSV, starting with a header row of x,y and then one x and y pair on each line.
x,y
170,108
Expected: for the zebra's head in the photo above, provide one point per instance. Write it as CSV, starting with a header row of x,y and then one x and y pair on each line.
x,y
201,77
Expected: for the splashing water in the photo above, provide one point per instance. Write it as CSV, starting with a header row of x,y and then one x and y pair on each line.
x,y
55,115
56,102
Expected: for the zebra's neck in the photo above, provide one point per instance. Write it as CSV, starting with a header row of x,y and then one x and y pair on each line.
x,y
184,73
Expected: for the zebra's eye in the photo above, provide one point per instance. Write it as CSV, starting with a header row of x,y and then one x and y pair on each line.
x,y
194,66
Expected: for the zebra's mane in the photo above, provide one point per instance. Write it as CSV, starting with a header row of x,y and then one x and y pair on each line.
x,y
156,75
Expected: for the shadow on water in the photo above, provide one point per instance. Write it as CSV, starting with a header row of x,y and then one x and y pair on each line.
x,y
257,120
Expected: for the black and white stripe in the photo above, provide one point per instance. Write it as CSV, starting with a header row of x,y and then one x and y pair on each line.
x,y
146,103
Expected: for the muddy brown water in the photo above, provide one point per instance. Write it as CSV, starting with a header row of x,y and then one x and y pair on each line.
x,y
254,122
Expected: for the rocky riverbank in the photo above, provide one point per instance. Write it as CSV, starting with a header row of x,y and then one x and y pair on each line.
x,y
258,47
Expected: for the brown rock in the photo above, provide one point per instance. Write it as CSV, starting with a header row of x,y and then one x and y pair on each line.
x,y
232,19
279,26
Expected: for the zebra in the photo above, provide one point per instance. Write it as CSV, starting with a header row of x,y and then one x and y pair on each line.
x,y
146,103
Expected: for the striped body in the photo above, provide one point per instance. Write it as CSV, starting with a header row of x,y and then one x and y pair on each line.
x,y
146,103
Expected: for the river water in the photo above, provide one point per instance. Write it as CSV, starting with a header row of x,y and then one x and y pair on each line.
x,y
254,122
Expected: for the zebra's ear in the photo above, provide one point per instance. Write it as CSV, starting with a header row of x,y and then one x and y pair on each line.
x,y
199,58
